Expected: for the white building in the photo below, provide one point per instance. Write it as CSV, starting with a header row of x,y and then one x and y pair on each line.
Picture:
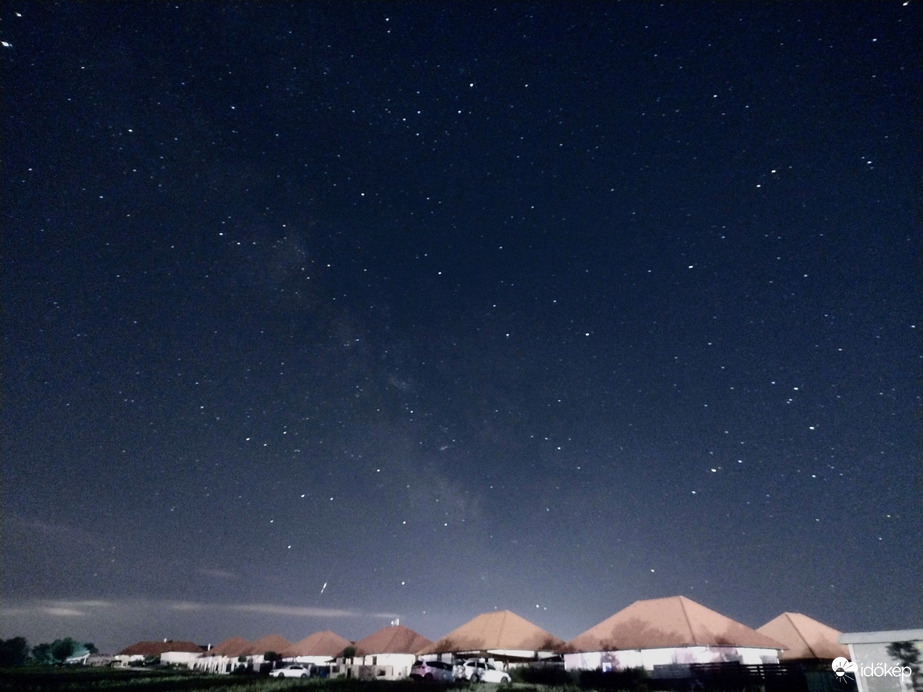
x,y
501,636
168,651
389,653
805,639
878,665
271,643
318,648
670,632
222,658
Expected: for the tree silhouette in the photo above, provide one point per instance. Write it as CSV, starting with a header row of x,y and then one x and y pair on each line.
x,y
61,649
41,653
13,652
907,654
57,651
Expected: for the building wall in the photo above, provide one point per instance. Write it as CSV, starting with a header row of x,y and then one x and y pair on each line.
x,y
683,655
179,658
397,666
315,660
216,664
875,668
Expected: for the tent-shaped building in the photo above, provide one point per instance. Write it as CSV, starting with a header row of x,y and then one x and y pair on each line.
x,y
804,638
317,648
270,644
671,631
391,651
222,658
168,651
274,643
501,635
235,646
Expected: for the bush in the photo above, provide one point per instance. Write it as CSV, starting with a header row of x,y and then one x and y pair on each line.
x,y
634,679
543,675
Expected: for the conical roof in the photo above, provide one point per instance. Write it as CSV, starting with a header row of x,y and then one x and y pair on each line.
x,y
668,622
235,646
805,637
499,630
324,643
396,639
271,642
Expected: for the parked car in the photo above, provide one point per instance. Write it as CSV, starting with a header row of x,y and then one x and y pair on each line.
x,y
435,671
293,670
480,671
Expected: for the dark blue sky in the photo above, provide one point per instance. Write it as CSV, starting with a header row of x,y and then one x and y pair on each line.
x,y
321,314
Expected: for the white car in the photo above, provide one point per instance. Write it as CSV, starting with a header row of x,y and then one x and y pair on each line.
x,y
481,671
294,670
436,671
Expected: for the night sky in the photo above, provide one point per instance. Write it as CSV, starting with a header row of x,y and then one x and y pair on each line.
x,y
317,315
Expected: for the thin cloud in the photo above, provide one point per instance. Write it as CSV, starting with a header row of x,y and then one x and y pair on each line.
x,y
277,609
67,609
63,612
114,623
186,605
24,528
83,604
301,611
75,608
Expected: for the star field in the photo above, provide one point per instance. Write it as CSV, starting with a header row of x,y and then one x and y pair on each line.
x,y
324,314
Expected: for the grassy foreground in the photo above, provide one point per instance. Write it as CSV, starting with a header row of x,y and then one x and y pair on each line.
x,y
46,679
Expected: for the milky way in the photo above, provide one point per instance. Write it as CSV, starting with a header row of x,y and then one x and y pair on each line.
x,y
321,315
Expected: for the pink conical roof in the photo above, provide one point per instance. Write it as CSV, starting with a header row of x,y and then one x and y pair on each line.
x,y
805,637
235,646
271,642
396,639
668,622
324,643
496,631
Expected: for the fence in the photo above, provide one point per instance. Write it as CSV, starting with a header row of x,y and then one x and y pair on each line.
x,y
733,677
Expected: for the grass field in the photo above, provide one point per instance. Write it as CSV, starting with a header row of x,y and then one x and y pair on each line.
x,y
50,679
36,679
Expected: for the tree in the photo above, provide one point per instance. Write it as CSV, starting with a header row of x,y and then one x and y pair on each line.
x,y
62,649
41,653
908,655
57,651
13,652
